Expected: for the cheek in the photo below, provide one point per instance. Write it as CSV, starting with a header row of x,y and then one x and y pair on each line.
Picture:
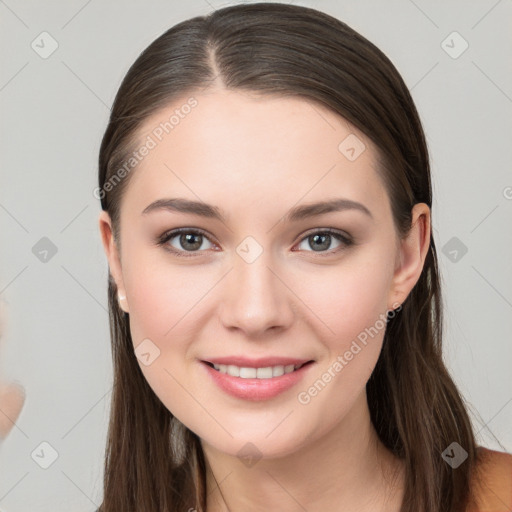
x,y
162,296
353,306
349,298
162,303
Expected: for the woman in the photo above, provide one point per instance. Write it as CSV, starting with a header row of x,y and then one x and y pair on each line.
x,y
276,314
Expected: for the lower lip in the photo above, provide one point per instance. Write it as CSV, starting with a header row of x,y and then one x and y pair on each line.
x,y
256,389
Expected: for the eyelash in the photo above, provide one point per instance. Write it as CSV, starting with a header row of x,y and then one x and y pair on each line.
x,y
168,235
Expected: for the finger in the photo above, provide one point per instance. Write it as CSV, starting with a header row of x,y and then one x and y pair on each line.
x,y
12,398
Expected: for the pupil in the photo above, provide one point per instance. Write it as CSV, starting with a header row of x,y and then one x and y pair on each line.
x,y
186,239
323,245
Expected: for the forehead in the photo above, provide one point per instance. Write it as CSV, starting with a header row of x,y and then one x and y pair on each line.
x,y
252,151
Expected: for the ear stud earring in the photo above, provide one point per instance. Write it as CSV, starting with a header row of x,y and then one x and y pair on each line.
x,y
119,299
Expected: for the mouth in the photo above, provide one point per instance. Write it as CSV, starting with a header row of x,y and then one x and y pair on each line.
x,y
262,372
256,379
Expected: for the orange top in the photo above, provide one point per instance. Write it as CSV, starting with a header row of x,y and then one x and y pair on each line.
x,y
493,492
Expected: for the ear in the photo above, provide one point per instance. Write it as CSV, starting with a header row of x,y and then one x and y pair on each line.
x,y
412,251
114,261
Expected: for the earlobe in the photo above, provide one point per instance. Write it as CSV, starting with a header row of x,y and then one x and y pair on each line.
x,y
413,250
112,253
121,299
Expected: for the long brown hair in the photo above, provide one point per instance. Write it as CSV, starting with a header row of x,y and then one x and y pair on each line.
x,y
287,50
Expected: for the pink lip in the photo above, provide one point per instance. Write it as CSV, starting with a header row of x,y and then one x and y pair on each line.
x,y
256,389
261,362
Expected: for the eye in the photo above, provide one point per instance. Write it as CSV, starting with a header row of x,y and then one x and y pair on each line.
x,y
187,240
321,239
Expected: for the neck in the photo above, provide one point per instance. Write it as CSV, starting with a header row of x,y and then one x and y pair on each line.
x,y
346,469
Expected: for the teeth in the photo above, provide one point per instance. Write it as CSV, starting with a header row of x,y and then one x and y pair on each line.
x,y
256,373
248,373
233,370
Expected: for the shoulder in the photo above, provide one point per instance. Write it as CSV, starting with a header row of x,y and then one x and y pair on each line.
x,y
492,482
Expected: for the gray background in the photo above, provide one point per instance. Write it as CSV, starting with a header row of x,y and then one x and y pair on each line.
x,y
54,112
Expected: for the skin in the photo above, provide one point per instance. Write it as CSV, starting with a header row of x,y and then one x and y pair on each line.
x,y
12,394
290,301
12,398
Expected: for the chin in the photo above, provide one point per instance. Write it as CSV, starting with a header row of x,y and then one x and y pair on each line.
x,y
250,448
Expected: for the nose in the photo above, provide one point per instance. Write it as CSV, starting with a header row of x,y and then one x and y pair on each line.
x,y
256,299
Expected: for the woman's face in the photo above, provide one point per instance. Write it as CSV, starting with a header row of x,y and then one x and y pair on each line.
x,y
254,280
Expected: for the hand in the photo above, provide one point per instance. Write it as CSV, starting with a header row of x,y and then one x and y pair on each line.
x,y
12,395
12,398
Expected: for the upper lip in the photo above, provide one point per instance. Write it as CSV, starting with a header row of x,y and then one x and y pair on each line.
x,y
260,362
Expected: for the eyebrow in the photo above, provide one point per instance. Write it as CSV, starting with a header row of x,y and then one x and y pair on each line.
x,y
295,214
